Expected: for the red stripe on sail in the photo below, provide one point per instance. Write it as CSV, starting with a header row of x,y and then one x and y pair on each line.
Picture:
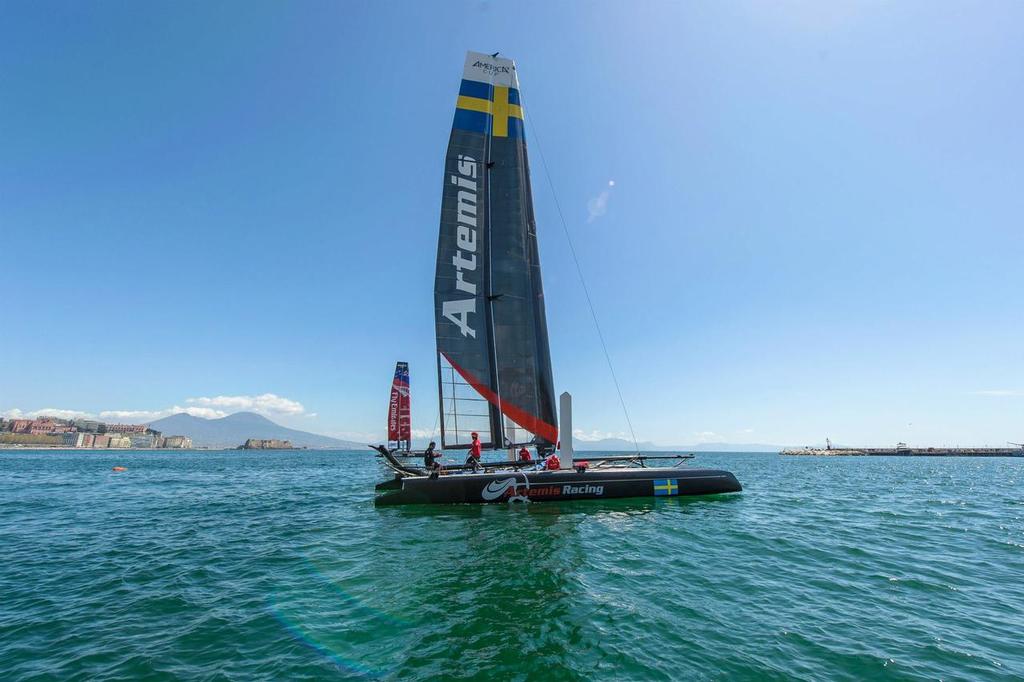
x,y
518,415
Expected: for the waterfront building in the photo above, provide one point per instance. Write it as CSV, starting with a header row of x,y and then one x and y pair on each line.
x,y
101,440
21,425
70,439
126,428
88,425
267,444
150,439
48,425
87,440
119,440
178,442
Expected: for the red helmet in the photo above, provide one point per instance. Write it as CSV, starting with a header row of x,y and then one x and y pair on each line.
x,y
475,434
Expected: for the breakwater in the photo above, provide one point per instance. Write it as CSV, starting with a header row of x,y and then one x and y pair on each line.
x,y
906,452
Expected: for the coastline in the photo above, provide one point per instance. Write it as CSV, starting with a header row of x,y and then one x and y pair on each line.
x,y
904,452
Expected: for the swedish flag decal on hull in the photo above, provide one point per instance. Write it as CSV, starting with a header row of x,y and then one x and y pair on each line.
x,y
666,486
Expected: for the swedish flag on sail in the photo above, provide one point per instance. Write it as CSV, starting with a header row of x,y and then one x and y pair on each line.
x,y
666,486
483,108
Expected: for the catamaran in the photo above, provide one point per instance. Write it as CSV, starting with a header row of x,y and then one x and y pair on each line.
x,y
493,360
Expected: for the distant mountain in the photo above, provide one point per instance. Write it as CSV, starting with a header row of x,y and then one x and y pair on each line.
x,y
617,444
613,444
233,430
622,445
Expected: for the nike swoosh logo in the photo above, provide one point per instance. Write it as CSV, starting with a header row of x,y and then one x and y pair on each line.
x,y
496,489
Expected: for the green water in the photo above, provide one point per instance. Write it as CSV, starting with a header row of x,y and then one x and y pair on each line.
x,y
234,565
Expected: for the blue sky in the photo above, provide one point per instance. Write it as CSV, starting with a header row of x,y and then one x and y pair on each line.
x,y
815,227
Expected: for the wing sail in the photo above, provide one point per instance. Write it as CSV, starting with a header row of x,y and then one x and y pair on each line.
x,y
399,415
494,364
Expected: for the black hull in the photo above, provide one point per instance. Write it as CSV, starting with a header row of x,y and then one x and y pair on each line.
x,y
554,486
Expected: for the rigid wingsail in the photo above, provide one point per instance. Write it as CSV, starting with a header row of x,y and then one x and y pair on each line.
x,y
399,416
492,338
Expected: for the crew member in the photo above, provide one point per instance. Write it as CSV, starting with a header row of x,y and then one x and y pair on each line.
x,y
430,460
524,455
552,462
475,450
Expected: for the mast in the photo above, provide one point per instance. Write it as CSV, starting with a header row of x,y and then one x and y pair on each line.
x,y
497,419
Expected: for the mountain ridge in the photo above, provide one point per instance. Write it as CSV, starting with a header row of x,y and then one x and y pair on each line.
x,y
234,429
622,445
646,446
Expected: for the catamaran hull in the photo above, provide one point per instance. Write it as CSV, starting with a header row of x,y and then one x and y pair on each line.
x,y
552,486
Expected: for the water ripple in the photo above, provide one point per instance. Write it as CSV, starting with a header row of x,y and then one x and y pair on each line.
x,y
277,566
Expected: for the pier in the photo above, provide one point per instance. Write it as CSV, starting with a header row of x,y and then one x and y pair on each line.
x,y
902,450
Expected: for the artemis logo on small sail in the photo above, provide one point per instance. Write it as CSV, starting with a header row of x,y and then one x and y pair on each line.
x,y
464,260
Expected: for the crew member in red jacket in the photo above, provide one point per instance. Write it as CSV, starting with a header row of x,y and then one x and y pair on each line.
x,y
524,455
475,450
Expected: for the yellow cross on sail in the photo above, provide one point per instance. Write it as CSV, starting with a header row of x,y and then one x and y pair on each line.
x,y
500,108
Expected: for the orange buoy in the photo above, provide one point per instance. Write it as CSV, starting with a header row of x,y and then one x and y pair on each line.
x,y
120,469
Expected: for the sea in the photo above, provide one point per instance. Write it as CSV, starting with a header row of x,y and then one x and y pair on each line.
x,y
258,565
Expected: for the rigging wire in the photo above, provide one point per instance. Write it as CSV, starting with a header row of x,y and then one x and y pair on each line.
x,y
579,272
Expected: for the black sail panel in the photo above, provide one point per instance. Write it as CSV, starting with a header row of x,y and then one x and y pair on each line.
x,y
493,357
464,342
520,327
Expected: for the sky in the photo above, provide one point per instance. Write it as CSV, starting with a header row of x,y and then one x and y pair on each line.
x,y
796,221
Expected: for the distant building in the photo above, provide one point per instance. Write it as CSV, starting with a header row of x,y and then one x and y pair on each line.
x,y
119,440
21,425
126,428
70,439
101,441
178,442
267,444
48,425
87,440
87,425
150,439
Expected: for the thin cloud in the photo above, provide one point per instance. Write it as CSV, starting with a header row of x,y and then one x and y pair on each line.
x,y
357,436
267,403
143,416
596,434
598,206
1002,393
45,412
